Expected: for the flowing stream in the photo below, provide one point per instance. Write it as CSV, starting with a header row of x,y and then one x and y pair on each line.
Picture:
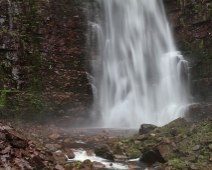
x,y
139,76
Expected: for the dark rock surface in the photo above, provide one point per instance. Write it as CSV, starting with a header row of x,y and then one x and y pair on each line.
x,y
177,145
145,128
198,111
43,59
192,28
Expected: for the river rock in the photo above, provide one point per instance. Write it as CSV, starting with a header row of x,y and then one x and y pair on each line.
x,y
54,136
51,147
151,157
89,152
142,137
87,165
60,157
119,158
104,152
70,153
145,128
58,167
97,165
36,160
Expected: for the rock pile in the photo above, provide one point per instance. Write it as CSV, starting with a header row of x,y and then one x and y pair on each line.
x,y
17,152
177,145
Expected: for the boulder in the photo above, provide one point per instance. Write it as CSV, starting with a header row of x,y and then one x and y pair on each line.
x,y
145,128
119,158
70,153
104,152
98,165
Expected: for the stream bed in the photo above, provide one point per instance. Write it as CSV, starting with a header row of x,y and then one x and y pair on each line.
x,y
87,139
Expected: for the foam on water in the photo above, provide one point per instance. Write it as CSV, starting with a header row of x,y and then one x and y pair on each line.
x,y
80,155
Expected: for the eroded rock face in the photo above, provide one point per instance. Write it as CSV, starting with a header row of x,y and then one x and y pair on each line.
x,y
192,27
198,111
42,58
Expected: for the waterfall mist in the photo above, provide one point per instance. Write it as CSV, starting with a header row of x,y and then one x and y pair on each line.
x,y
139,76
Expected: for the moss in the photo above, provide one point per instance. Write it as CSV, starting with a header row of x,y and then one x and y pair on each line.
x,y
201,44
78,164
125,140
3,94
177,163
181,3
134,153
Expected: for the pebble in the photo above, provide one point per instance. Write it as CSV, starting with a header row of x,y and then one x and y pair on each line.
x,y
196,148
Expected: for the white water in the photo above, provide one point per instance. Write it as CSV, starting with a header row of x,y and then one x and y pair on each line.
x,y
80,155
140,77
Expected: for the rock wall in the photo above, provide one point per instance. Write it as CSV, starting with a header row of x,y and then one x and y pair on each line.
x,y
43,59
191,21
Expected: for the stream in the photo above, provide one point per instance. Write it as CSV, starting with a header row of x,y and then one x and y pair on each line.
x,y
87,139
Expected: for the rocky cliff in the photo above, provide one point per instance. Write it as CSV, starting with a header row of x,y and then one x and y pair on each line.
x,y
192,28
43,60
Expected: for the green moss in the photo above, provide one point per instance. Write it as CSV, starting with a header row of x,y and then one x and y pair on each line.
x,y
181,3
134,153
3,94
78,164
125,141
177,163
201,44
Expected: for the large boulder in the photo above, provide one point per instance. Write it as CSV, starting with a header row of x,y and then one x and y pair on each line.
x,y
145,128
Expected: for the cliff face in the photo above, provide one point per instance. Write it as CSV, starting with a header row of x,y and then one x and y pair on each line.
x,y
192,27
43,60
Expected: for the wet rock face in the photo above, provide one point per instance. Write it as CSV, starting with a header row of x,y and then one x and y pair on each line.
x,y
145,128
192,27
198,111
42,57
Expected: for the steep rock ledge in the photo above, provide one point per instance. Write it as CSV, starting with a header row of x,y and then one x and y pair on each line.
x,y
43,58
192,26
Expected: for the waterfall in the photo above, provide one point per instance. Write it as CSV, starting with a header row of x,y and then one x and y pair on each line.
x,y
140,77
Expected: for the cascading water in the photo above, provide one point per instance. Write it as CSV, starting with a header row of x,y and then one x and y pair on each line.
x,y
140,77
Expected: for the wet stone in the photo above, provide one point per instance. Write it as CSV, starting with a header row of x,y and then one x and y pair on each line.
x,y
98,165
58,167
89,153
142,137
37,162
60,157
54,136
196,148
2,136
193,167
145,128
120,157
2,146
50,147
19,143
69,153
